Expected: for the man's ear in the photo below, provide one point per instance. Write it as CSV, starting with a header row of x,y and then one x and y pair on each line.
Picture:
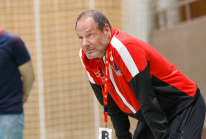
x,y
107,31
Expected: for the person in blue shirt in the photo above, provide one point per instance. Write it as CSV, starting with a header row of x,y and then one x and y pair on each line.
x,y
16,80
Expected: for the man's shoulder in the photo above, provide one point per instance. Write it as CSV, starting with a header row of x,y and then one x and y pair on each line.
x,y
11,37
120,42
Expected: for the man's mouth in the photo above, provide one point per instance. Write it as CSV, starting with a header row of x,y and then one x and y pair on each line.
x,y
89,50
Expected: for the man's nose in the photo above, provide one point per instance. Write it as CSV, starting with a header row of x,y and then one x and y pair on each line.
x,y
85,42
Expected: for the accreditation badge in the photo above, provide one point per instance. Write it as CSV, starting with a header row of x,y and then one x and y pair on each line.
x,y
105,133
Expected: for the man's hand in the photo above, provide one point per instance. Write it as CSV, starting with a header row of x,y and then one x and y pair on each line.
x,y
130,137
25,97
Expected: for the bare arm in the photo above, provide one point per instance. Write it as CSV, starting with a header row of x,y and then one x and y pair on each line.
x,y
27,74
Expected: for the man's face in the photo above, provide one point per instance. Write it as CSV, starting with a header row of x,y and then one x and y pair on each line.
x,y
93,41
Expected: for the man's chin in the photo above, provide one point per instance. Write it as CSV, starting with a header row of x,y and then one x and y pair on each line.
x,y
90,57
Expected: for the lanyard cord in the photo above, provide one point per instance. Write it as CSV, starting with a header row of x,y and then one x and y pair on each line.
x,y
106,78
106,84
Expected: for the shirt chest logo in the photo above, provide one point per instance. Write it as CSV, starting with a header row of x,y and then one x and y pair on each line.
x,y
114,66
116,69
99,74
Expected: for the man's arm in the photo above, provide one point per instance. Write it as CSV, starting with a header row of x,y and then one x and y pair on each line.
x,y
154,116
119,120
27,74
137,73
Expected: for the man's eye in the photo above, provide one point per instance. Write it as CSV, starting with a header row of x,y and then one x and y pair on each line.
x,y
80,38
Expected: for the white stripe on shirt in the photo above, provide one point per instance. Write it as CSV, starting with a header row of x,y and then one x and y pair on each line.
x,y
125,55
117,90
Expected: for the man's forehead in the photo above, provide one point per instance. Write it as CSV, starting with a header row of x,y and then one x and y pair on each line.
x,y
86,20
87,25
86,31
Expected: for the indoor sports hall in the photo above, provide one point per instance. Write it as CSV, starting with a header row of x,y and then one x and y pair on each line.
x,y
62,104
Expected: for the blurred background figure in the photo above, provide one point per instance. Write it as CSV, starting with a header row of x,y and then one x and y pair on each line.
x,y
16,80
61,104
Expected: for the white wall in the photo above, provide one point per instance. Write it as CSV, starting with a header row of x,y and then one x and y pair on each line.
x,y
172,16
137,18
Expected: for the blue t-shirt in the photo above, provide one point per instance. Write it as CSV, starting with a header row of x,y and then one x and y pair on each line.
x,y
13,53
